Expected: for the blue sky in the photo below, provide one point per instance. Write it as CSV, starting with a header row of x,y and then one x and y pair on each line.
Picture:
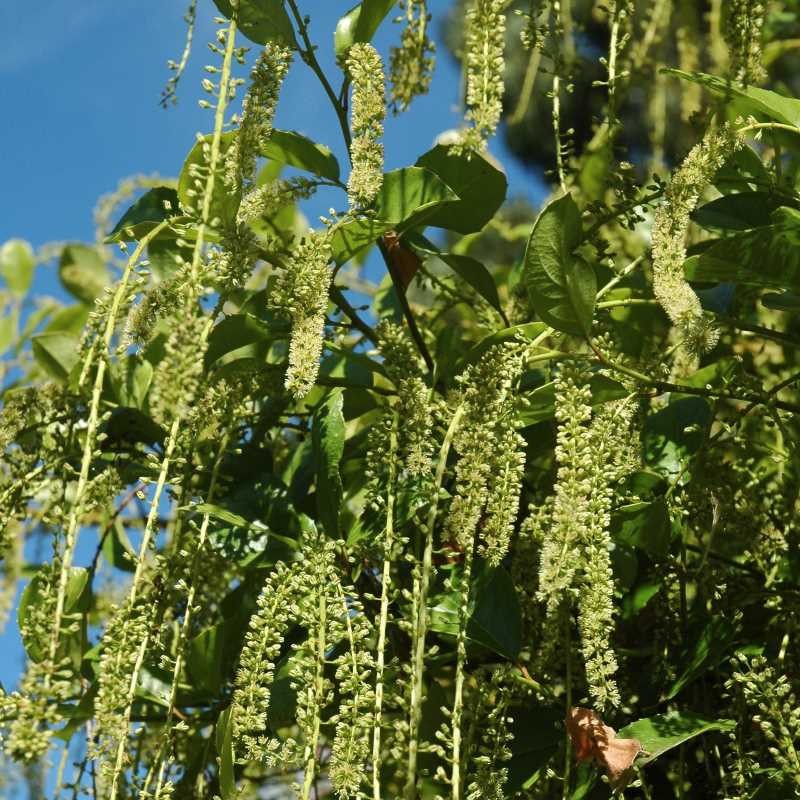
x,y
80,83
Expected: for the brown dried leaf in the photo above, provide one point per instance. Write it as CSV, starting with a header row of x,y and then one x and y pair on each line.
x,y
592,740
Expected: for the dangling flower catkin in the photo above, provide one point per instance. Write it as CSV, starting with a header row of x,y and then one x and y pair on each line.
x,y
575,567
258,111
411,64
742,30
485,65
365,68
670,225
302,292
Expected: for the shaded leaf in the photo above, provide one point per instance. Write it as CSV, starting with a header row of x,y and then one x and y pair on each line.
x,y
740,211
494,616
541,401
643,525
561,286
767,257
224,744
153,207
327,442
747,100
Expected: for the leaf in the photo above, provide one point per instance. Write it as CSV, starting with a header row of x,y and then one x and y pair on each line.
x,y
56,353
709,650
290,147
747,100
561,286
152,208
237,520
131,380
83,272
163,252
224,202
76,600
787,301
327,442
494,617
527,331
480,186
662,732
541,401
766,257
409,196
360,23
117,548
17,264
262,21
233,334
740,211
674,432
204,660
224,743
537,734
643,525
469,269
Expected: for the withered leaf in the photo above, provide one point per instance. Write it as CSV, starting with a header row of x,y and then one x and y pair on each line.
x,y
592,740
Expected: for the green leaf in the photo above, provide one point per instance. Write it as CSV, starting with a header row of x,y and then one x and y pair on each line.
x,y
327,442
152,208
17,263
224,743
410,195
163,252
537,734
117,548
262,21
663,732
766,257
480,186
296,150
709,649
675,432
76,600
360,23
787,301
527,331
233,338
407,198
561,286
747,100
494,616
740,211
83,272
541,401
237,520
224,202
469,269
56,353
643,525
204,660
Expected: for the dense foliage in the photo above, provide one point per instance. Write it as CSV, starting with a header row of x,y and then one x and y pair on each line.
x,y
430,536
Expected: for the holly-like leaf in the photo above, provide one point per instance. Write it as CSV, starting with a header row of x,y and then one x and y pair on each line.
x,y
327,442
296,150
561,286
262,21
480,186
